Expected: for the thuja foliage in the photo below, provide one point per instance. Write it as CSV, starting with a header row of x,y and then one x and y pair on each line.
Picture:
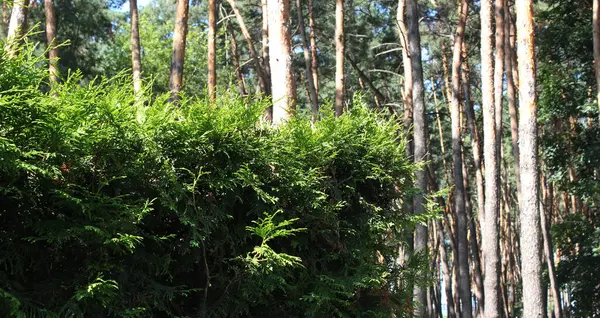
x,y
117,207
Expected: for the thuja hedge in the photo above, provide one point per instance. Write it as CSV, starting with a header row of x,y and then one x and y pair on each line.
x,y
112,206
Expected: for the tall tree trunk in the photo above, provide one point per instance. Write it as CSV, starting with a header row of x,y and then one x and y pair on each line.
x,y
407,206
490,244
472,221
260,72
179,41
339,57
545,212
445,269
511,96
282,73
408,79
596,30
314,100
313,47
16,26
475,137
212,50
51,40
265,43
529,215
464,279
136,59
499,70
236,64
420,133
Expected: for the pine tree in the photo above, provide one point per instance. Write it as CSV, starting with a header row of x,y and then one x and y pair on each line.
x,y
282,72
179,42
531,264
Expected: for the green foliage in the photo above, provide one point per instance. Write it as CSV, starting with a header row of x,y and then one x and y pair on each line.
x,y
579,240
114,208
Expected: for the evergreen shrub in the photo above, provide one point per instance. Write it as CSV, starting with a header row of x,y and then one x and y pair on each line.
x,y
117,207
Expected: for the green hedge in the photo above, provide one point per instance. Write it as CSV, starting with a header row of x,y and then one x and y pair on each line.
x,y
114,208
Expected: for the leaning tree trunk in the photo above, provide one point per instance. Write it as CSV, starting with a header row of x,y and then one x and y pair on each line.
x,y
179,39
464,279
212,50
596,30
420,133
339,57
136,59
236,64
51,40
490,244
283,82
314,100
533,293
16,27
260,72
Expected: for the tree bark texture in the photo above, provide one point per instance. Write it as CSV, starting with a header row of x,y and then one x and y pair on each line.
x,y
16,26
511,98
179,41
420,134
51,40
464,279
490,226
339,58
499,70
212,50
314,99
313,47
531,265
136,57
280,49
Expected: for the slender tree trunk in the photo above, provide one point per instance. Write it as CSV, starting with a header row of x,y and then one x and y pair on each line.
x,y
596,32
546,211
475,137
260,72
236,64
408,79
179,41
364,78
51,40
499,70
530,218
136,58
282,73
265,43
511,96
16,26
212,50
446,72
314,100
420,133
339,57
490,235
445,270
472,221
464,279
313,47
407,206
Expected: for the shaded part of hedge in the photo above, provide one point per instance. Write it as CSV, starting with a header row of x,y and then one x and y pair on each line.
x,y
110,209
